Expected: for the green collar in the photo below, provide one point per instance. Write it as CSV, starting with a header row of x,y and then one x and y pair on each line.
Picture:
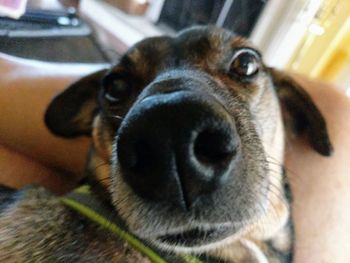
x,y
82,201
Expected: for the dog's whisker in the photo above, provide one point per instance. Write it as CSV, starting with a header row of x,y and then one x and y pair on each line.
x,y
116,117
269,210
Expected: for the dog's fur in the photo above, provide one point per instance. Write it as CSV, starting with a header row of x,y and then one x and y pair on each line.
x,y
249,216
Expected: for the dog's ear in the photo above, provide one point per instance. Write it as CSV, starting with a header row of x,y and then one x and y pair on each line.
x,y
71,112
300,112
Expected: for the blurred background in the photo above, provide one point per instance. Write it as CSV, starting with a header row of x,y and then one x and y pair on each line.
x,y
306,36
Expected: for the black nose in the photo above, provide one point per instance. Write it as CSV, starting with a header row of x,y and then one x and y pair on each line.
x,y
177,147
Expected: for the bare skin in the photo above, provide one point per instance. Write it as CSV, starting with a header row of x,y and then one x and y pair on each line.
x,y
320,185
26,88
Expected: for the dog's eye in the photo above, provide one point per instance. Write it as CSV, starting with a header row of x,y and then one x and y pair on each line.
x,y
245,63
116,90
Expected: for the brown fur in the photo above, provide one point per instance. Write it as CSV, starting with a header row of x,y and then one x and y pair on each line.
x,y
35,229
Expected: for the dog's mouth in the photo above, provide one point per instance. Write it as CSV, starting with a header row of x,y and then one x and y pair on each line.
x,y
195,237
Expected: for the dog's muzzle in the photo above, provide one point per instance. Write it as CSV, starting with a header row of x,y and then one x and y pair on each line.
x,y
177,147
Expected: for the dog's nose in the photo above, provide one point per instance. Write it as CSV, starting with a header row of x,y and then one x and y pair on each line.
x,y
177,147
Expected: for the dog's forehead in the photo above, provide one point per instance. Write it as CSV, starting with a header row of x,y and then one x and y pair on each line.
x,y
196,46
207,40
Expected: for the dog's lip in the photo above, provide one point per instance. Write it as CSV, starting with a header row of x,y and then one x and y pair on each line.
x,y
196,235
186,235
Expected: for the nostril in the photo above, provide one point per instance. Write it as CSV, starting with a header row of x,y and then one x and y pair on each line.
x,y
214,147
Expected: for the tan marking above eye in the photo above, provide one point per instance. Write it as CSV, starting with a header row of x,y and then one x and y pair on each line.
x,y
135,55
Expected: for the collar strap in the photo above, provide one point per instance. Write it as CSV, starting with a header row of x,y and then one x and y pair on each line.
x,y
82,201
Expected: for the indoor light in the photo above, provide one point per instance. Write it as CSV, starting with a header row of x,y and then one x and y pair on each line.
x,y
316,29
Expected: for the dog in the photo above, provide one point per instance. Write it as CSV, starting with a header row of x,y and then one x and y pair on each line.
x,y
188,135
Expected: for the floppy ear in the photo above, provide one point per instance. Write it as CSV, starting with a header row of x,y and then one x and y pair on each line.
x,y
71,112
300,110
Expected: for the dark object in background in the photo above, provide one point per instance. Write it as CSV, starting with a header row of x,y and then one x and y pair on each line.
x,y
50,35
239,16
78,49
